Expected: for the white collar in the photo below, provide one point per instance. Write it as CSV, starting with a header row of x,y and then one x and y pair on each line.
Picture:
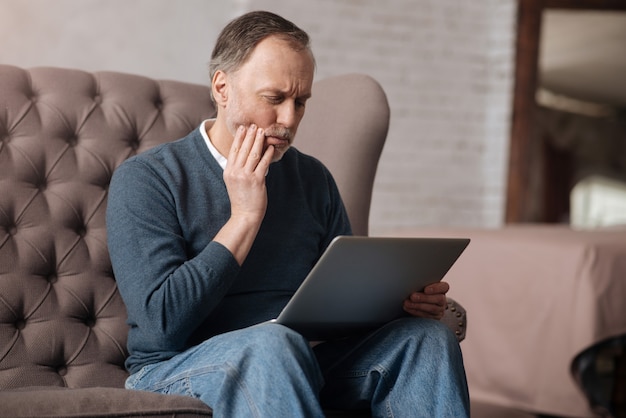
x,y
221,160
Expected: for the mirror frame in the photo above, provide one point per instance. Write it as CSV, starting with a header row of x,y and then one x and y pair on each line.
x,y
529,14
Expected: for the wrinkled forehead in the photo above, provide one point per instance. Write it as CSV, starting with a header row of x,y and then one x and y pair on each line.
x,y
275,59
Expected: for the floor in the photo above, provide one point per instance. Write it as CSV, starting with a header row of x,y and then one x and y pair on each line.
x,y
478,410
481,410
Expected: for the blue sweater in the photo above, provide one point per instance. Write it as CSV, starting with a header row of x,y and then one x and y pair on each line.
x,y
180,288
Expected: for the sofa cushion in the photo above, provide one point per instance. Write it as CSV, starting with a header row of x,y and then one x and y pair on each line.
x,y
97,402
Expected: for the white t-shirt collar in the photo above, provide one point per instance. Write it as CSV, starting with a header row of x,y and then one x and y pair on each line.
x,y
221,160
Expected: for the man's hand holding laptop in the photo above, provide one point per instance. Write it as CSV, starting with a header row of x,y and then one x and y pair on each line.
x,y
431,303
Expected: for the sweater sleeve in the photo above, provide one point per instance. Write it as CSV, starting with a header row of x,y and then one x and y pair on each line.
x,y
167,294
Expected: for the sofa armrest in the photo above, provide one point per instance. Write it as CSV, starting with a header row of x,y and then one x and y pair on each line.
x,y
455,317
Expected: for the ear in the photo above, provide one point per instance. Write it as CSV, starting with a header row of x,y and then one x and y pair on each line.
x,y
219,87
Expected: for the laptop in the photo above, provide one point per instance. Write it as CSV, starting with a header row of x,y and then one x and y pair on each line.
x,y
360,283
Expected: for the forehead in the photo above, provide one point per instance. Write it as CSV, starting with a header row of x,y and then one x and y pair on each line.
x,y
276,61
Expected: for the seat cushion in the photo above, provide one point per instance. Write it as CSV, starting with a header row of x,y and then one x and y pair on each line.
x,y
97,402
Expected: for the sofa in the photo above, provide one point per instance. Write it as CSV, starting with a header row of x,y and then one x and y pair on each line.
x,y
62,134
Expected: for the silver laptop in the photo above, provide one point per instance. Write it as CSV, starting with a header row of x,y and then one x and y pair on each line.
x,y
359,283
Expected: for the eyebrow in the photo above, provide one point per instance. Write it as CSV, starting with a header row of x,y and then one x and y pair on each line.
x,y
273,90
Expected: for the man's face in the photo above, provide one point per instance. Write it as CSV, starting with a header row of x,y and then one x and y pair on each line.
x,y
270,90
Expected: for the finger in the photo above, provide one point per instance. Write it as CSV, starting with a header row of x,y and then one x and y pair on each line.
x,y
428,306
249,135
266,160
435,299
424,310
256,150
236,145
437,288
424,314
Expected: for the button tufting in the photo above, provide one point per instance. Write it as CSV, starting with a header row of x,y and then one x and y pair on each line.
x,y
134,144
62,370
52,278
82,231
72,140
90,321
97,99
11,229
20,324
42,185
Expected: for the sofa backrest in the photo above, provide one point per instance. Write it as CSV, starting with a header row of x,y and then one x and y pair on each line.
x,y
62,134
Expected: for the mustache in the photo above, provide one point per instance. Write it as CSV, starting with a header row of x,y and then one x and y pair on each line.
x,y
279,132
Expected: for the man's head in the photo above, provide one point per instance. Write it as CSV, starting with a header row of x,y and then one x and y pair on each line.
x,y
239,38
261,72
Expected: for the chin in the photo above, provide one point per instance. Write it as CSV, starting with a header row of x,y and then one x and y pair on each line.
x,y
278,154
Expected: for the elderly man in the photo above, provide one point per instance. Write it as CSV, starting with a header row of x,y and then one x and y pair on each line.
x,y
212,234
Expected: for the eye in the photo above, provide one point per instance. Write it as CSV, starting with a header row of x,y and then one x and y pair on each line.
x,y
300,103
274,99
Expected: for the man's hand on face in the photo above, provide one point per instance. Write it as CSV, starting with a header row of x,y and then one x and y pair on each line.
x,y
245,172
431,303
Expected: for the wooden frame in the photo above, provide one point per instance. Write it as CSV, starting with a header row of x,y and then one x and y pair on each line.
x,y
526,75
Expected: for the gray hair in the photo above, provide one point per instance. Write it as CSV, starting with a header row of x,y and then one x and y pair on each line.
x,y
239,38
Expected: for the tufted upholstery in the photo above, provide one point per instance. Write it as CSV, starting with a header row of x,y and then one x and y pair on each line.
x,y
62,133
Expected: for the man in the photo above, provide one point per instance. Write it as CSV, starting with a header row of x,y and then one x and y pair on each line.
x,y
211,235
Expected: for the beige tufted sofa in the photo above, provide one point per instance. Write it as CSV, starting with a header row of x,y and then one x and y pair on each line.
x,y
62,134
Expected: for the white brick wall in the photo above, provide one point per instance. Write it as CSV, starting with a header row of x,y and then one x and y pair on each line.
x,y
156,38
446,66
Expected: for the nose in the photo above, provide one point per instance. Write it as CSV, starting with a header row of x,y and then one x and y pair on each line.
x,y
287,114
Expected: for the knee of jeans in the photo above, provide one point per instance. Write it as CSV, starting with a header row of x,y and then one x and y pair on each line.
x,y
277,338
281,347
430,329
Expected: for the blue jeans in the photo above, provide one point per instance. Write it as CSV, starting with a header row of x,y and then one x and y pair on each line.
x,y
409,368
